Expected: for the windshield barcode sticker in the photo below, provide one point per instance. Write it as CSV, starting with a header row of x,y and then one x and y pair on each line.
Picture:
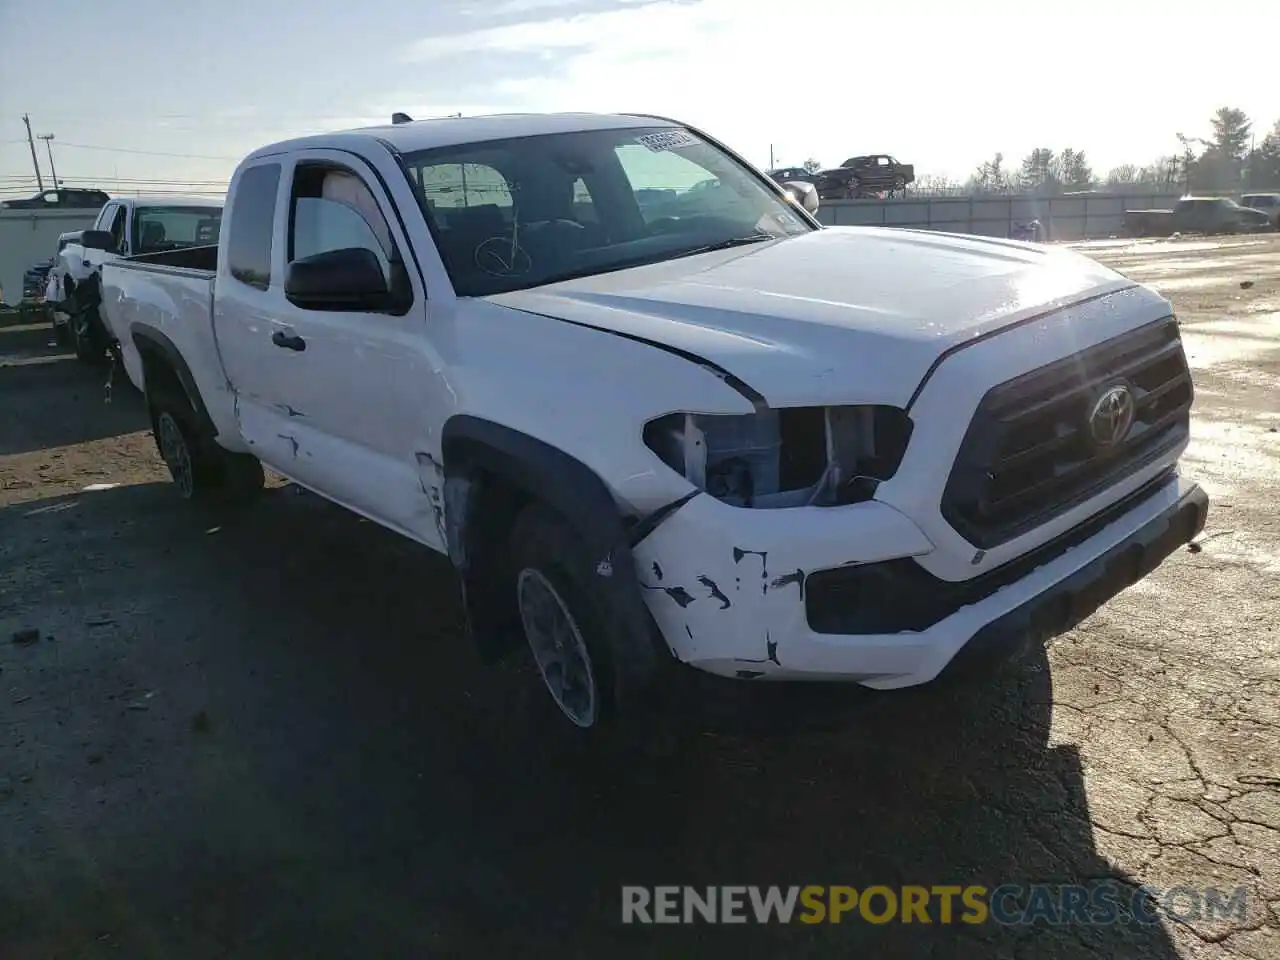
x,y
667,140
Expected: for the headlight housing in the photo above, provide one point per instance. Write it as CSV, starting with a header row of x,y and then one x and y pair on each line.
x,y
797,456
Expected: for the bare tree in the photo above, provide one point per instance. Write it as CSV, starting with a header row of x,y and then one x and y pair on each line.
x,y
1124,175
936,185
1073,171
1264,162
812,165
991,177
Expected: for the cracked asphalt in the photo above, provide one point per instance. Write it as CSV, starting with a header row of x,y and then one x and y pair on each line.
x,y
262,733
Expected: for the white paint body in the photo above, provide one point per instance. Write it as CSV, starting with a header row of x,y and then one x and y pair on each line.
x,y
839,316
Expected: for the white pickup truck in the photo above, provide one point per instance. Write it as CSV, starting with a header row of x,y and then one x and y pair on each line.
x,y
699,430
125,226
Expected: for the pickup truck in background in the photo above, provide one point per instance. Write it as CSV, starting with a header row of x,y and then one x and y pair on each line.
x,y
124,226
45,282
60,198
864,177
1195,215
1268,203
729,440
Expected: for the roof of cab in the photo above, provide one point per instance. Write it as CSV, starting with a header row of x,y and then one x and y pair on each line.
x,y
451,131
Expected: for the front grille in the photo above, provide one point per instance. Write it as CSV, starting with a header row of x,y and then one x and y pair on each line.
x,y
1030,453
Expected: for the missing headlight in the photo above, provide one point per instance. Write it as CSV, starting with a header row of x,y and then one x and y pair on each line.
x,y
820,456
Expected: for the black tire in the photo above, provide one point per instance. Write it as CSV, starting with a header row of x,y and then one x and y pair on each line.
x,y
201,471
546,553
87,338
62,333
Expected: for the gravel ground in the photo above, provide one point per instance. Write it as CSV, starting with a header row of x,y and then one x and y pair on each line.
x,y
262,734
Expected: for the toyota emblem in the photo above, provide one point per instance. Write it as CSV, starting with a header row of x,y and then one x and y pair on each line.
x,y
1111,416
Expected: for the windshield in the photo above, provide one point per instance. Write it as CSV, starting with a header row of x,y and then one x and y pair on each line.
x,y
518,213
156,229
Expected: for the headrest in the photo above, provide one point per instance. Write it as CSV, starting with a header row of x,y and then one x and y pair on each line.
x,y
484,217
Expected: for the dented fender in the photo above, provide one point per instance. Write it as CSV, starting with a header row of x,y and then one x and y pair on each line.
x,y
478,452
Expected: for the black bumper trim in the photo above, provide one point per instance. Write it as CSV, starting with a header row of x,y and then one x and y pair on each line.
x,y
1067,603
895,596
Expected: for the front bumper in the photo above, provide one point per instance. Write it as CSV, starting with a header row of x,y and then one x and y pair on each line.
x,y
727,587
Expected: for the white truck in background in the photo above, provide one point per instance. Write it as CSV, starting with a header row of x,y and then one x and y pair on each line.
x,y
699,431
125,226
53,285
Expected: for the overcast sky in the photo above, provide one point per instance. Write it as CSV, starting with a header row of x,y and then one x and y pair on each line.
x,y
940,84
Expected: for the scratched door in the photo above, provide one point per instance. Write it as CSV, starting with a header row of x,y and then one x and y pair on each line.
x,y
335,371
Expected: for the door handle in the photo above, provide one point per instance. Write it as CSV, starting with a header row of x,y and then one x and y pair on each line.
x,y
290,341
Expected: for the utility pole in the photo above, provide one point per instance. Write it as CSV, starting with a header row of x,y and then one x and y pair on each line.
x,y
771,156
32,144
48,142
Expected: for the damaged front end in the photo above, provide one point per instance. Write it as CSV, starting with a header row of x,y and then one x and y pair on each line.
x,y
725,574
794,457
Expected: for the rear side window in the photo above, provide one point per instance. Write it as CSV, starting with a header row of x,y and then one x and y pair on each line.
x,y
253,213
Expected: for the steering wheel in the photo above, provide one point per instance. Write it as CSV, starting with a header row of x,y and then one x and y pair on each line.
x,y
502,257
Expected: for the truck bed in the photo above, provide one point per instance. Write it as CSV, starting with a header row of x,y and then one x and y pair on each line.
x,y
175,300
190,258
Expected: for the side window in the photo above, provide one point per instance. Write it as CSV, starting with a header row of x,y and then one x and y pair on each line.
x,y
252,222
667,184
105,216
333,209
584,207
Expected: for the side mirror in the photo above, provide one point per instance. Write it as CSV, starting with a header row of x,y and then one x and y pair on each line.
x,y
346,279
803,194
98,240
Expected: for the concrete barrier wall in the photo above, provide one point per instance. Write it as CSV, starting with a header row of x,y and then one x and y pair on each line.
x,y
29,236
1062,218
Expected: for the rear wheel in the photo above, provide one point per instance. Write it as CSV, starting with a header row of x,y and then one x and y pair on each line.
x,y
200,469
175,449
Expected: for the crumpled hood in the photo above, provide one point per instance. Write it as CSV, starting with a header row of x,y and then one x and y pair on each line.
x,y
842,315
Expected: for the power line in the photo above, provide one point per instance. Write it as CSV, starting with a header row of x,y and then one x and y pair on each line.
x,y
22,180
144,153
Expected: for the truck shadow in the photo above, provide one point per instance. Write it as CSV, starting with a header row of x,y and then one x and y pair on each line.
x,y
35,376
358,785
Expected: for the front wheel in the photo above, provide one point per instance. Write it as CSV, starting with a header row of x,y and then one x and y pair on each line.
x,y
86,336
560,622
61,330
